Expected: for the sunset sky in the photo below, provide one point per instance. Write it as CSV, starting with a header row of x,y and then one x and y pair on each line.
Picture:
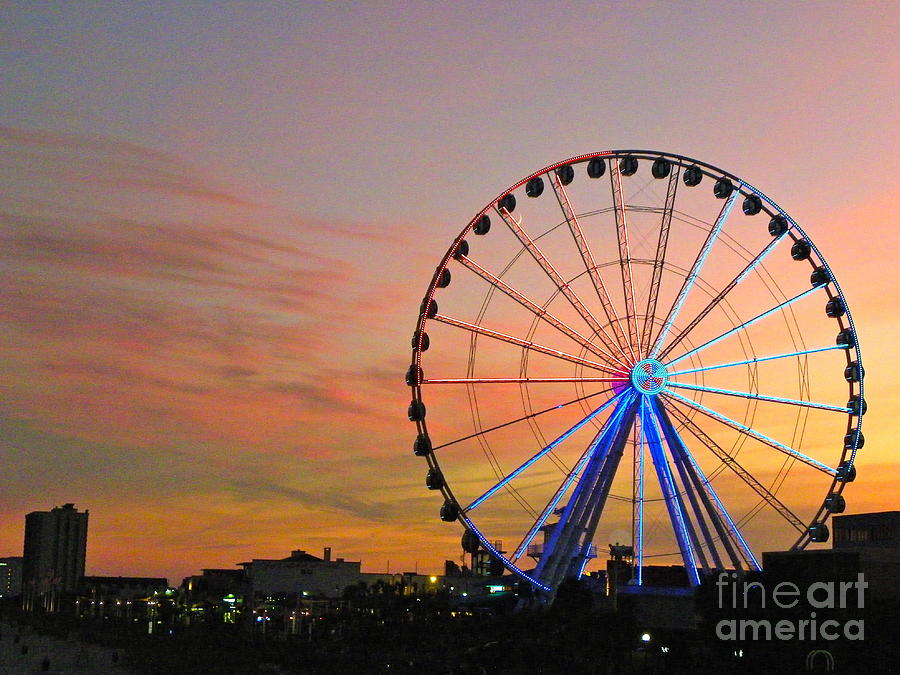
x,y
217,221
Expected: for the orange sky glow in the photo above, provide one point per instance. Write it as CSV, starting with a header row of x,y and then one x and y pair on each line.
x,y
215,233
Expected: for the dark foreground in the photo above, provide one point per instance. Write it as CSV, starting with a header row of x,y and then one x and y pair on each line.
x,y
568,638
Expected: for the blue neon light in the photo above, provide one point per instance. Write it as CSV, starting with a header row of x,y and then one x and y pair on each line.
x,y
649,376
496,553
726,211
840,293
601,438
744,325
640,523
611,425
561,490
766,251
585,561
668,486
543,452
756,434
756,360
761,397
712,492
582,485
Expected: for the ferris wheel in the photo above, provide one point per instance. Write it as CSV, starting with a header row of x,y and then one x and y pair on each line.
x,y
635,347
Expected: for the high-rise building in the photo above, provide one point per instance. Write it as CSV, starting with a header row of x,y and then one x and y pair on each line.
x,y
54,555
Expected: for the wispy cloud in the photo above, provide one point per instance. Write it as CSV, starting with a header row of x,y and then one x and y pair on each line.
x,y
112,163
56,140
234,341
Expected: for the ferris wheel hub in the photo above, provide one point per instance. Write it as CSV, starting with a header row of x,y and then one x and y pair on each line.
x,y
649,377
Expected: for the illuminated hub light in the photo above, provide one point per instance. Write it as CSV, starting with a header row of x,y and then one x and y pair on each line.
x,y
649,377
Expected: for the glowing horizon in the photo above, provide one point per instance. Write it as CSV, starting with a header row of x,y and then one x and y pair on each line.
x,y
215,242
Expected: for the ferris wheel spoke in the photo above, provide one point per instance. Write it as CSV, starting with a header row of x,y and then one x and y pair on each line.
x,y
526,344
615,178
755,360
601,437
680,524
752,433
537,310
524,418
695,271
488,546
721,296
660,257
744,325
761,397
735,545
541,453
544,263
729,461
519,380
587,257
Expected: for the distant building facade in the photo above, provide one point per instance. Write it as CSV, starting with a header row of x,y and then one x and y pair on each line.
x,y
875,537
302,573
54,555
118,597
867,530
11,577
214,595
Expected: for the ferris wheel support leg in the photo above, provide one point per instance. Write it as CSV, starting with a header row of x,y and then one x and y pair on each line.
x,y
572,534
680,523
731,536
557,496
607,474
692,490
637,499
696,483
729,461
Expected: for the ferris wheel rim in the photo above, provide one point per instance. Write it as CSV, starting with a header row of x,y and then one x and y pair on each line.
x,y
743,188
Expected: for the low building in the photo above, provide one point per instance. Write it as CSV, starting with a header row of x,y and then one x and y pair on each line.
x,y
867,531
215,595
118,597
875,537
301,573
11,577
